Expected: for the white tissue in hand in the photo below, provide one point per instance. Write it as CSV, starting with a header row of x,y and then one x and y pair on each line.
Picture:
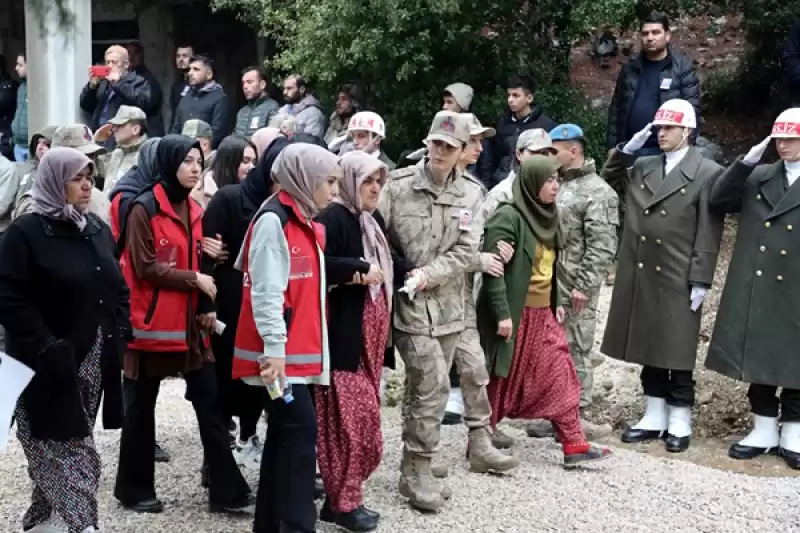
x,y
410,286
697,297
219,327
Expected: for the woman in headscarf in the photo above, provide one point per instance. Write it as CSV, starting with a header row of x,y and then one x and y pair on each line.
x,y
64,304
141,176
282,335
236,156
263,138
225,221
349,445
172,315
531,371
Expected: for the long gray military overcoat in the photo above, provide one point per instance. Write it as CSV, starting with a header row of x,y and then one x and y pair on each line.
x,y
757,333
670,242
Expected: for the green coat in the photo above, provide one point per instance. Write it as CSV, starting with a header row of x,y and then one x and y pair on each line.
x,y
504,297
757,331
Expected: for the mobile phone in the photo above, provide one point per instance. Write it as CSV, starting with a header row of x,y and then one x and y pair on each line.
x,y
100,71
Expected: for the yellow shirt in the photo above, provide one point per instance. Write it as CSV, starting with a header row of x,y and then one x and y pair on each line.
x,y
541,278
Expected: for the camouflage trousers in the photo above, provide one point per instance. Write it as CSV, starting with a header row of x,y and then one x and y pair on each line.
x,y
580,329
427,361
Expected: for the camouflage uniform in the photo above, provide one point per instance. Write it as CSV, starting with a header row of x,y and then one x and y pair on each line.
x,y
589,215
435,228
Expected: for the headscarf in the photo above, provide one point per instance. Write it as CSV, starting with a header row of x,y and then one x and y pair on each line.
x,y
58,166
299,169
257,187
262,138
144,173
356,167
170,153
541,218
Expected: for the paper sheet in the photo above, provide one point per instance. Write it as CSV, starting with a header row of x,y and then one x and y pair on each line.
x,y
14,377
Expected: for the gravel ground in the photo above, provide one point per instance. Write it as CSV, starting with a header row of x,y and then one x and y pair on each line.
x,y
631,492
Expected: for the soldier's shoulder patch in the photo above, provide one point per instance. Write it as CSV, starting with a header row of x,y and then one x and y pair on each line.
x,y
402,173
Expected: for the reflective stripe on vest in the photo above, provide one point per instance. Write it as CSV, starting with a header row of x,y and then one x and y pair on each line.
x,y
159,335
293,359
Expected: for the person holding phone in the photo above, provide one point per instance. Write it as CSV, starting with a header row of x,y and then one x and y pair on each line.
x,y
283,317
172,315
111,86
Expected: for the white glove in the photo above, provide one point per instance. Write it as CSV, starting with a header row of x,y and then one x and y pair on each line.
x,y
638,139
416,155
410,286
697,296
337,143
756,152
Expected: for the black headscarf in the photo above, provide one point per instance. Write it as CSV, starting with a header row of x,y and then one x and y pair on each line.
x,y
170,153
257,186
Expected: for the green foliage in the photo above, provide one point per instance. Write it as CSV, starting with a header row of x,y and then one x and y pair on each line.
x,y
404,53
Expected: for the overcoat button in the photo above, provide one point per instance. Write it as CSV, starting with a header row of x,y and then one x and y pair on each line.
x,y
758,273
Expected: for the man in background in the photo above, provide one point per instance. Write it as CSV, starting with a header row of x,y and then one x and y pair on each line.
x,y
155,124
260,108
183,54
206,100
19,126
8,105
349,99
304,107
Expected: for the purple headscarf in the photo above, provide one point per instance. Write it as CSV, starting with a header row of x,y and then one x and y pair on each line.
x,y
58,166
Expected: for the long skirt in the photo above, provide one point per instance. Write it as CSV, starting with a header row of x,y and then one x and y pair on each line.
x,y
349,442
66,474
542,381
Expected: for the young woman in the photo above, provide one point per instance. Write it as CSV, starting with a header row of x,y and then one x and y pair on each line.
x,y
283,321
226,219
161,263
64,304
236,156
349,446
532,373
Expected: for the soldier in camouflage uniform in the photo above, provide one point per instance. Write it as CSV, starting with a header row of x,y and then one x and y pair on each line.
x,y
430,212
588,211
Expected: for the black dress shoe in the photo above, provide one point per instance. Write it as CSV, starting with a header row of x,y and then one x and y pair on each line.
x,y
632,435
204,476
451,419
233,507
737,451
677,444
374,514
327,514
792,458
161,456
357,521
153,505
319,488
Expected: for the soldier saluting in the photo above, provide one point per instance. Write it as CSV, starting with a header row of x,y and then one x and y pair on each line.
x,y
667,258
757,331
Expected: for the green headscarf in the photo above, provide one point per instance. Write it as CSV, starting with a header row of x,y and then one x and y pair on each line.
x,y
542,219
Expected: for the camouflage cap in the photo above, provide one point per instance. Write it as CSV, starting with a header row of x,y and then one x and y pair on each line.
x,y
534,140
476,128
449,127
126,114
197,129
77,136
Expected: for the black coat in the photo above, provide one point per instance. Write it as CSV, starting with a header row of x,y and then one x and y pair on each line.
x,y
57,286
684,84
343,252
131,89
209,104
500,151
8,107
155,123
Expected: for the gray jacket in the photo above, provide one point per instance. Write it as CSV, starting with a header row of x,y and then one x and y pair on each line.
x,y
255,115
308,114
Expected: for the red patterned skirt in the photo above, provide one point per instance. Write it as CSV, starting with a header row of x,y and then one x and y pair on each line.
x,y
542,382
350,443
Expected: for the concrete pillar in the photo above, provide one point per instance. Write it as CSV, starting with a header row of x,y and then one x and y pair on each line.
x,y
58,64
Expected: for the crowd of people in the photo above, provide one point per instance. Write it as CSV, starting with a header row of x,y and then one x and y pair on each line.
x,y
278,270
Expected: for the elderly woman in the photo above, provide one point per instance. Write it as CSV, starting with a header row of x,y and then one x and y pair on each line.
x,y
532,373
348,412
64,304
282,333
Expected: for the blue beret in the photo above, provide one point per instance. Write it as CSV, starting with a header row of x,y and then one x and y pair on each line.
x,y
566,132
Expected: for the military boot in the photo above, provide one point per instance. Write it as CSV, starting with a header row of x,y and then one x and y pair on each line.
x,y
483,457
418,485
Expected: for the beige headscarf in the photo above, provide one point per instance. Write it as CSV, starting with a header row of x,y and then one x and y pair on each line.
x,y
262,138
356,167
299,169
58,166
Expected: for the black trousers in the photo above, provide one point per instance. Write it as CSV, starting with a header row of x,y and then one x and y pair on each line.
x,y
236,397
675,386
136,471
288,466
764,402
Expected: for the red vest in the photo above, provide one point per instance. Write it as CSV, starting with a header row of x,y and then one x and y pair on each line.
x,y
114,216
160,316
302,302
